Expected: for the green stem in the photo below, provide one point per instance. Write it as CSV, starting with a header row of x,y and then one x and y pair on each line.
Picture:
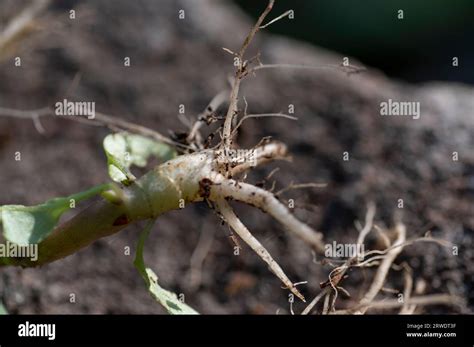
x,y
90,192
158,191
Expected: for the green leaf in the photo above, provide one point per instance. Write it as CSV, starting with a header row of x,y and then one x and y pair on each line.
x,y
167,299
24,225
124,150
3,310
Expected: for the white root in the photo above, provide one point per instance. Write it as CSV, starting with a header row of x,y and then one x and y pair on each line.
x,y
241,73
287,13
433,299
21,23
313,303
263,154
267,202
261,115
213,105
199,255
369,222
300,186
235,223
407,291
383,269
112,122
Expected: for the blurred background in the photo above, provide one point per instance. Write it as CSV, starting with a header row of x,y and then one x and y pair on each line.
x,y
418,48
180,61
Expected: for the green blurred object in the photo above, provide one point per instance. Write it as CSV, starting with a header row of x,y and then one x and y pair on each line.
x,y
418,47
3,310
166,298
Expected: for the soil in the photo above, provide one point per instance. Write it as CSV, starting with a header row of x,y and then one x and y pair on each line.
x,y
180,61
